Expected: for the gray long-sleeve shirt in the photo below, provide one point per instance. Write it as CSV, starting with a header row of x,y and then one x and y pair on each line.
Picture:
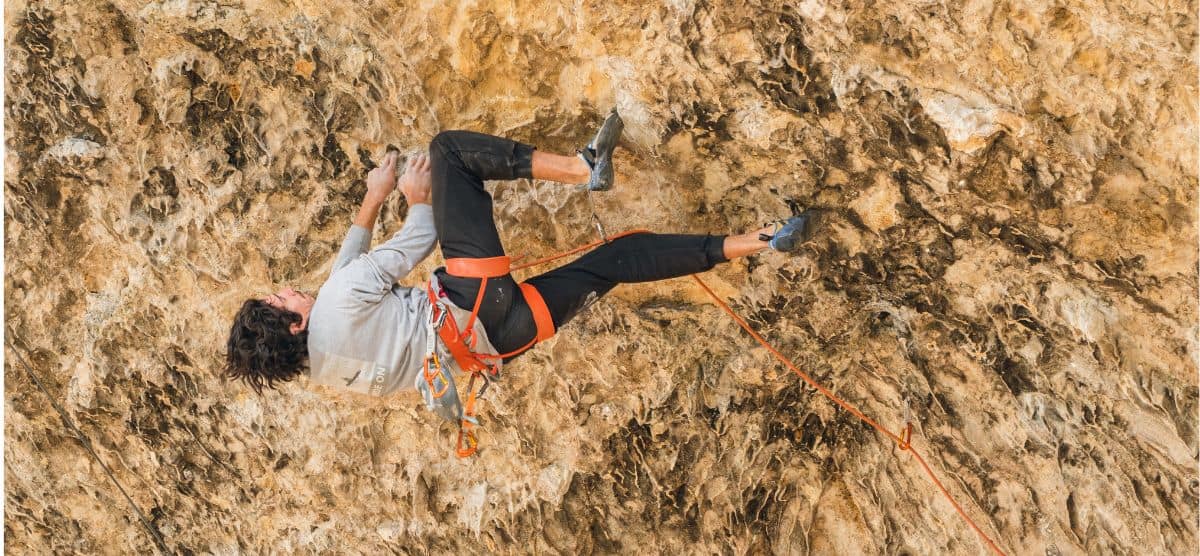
x,y
366,333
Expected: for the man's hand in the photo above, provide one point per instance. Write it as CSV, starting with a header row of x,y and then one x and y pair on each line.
x,y
417,180
382,180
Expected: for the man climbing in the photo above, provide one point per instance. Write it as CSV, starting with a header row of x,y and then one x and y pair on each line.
x,y
365,333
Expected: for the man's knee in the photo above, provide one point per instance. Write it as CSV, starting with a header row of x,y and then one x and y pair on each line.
x,y
446,142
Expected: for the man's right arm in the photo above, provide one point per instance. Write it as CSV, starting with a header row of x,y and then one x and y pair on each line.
x,y
358,238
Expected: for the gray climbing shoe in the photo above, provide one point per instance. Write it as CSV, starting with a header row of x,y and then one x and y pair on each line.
x,y
790,234
598,153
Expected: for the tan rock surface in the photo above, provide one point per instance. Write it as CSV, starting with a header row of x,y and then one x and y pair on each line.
x,y
1016,271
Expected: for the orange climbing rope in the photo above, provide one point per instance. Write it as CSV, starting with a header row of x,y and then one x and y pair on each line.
x,y
903,440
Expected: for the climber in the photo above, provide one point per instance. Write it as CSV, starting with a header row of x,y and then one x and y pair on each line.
x,y
365,333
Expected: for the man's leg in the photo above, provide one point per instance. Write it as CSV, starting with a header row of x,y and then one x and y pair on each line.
x,y
462,208
461,161
462,212
636,258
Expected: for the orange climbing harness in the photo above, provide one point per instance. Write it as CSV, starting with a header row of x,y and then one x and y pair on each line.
x,y
460,345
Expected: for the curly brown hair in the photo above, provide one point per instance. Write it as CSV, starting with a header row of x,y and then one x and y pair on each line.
x,y
261,350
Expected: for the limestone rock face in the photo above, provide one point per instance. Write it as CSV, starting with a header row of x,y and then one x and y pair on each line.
x,y
1013,268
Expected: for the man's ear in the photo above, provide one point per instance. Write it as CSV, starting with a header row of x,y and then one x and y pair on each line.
x,y
295,328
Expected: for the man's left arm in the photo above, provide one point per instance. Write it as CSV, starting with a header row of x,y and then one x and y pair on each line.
x,y
358,237
397,256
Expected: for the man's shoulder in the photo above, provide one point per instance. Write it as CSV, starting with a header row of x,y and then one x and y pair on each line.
x,y
341,293
346,265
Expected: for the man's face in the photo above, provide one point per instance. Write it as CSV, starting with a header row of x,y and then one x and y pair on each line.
x,y
294,301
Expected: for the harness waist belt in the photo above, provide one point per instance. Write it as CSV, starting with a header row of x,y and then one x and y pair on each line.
x,y
491,267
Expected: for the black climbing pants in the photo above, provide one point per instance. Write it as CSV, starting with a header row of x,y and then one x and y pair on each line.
x,y
462,213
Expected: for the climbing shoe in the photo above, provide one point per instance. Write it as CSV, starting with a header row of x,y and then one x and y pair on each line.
x,y
790,234
598,153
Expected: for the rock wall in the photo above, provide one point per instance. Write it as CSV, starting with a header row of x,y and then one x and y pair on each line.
x,y
1014,270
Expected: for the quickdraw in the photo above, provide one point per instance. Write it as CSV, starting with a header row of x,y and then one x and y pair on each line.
x,y
436,379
